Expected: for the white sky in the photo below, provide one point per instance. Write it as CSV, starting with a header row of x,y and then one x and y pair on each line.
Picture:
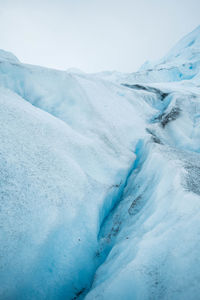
x,y
94,35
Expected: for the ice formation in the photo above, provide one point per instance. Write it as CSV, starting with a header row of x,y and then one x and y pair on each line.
x,y
100,180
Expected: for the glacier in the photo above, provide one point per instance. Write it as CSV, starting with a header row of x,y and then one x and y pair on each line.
x,y
100,180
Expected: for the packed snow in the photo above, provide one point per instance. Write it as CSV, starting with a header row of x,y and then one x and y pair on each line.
x,y
100,180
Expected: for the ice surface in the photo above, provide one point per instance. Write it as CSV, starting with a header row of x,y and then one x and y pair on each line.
x,y
100,180
155,251
61,175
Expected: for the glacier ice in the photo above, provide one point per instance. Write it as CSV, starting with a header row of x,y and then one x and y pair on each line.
x,y
181,63
100,183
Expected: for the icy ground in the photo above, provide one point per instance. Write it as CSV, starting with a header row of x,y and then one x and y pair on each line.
x,y
100,180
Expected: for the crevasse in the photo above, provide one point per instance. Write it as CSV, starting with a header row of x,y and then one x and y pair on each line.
x,y
99,174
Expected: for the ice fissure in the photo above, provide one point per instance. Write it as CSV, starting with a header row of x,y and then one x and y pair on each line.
x,y
111,225
112,222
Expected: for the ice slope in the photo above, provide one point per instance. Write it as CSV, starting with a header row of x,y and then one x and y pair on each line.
x,y
149,244
186,50
155,254
99,184
151,238
67,144
181,63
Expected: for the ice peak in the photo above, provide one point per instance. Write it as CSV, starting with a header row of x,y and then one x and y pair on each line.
x,y
7,56
188,48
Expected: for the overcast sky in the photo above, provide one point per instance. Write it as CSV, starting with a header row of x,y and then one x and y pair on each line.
x,y
94,35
